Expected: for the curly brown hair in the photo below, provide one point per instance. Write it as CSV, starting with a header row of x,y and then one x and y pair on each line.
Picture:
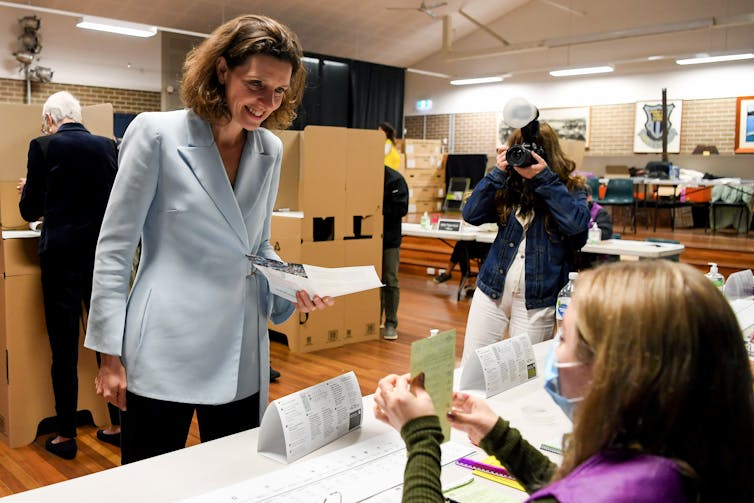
x,y
519,192
236,41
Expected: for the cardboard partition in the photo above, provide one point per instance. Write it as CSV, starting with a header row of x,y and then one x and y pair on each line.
x,y
361,252
10,215
423,162
289,171
23,123
322,183
422,147
20,257
365,172
319,330
26,396
364,227
362,311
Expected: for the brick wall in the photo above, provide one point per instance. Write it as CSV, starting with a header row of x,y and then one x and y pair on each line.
x,y
123,100
709,122
611,128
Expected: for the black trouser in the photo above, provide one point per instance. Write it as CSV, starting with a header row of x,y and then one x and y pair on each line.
x,y
66,284
66,287
151,427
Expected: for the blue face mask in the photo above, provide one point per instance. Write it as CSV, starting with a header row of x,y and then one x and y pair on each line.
x,y
552,381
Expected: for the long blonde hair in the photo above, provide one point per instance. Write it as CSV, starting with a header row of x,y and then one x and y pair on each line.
x,y
236,41
670,375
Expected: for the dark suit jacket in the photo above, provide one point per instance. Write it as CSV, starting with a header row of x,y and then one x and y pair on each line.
x,y
68,181
394,208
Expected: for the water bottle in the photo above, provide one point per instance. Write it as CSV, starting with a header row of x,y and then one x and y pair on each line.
x,y
715,277
564,298
425,221
595,234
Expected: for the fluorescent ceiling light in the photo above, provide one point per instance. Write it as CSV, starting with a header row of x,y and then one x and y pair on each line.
x,y
481,80
714,59
115,26
581,71
425,72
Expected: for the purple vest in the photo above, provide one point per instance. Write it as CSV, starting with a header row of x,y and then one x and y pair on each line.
x,y
616,478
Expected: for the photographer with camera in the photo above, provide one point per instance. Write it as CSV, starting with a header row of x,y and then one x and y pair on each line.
x,y
542,217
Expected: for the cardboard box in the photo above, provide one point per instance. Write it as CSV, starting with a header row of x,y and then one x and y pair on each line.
x,y
19,257
423,162
425,193
433,178
287,197
421,207
423,147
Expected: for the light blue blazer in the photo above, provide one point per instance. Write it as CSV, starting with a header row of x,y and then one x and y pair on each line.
x,y
194,328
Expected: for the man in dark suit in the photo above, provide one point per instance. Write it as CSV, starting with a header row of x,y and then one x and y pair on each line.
x,y
69,176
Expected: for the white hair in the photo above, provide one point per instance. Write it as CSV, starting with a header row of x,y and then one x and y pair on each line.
x,y
62,105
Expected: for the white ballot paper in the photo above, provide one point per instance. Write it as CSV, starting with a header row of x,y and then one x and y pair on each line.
x,y
354,473
286,279
500,366
302,422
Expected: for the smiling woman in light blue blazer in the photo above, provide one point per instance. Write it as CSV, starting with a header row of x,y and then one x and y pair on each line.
x,y
197,186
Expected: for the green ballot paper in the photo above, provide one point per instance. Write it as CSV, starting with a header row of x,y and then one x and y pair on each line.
x,y
436,357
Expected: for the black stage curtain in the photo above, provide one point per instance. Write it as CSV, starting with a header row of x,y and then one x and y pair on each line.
x,y
470,166
348,93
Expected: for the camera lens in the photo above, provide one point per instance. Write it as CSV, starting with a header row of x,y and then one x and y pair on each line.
x,y
518,155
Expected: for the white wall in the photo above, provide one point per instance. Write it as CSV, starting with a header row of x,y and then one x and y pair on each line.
x,y
82,57
718,80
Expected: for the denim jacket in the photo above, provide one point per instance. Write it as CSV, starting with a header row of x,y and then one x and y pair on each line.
x,y
549,252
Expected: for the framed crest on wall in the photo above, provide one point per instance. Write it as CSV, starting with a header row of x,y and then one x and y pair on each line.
x,y
744,125
648,127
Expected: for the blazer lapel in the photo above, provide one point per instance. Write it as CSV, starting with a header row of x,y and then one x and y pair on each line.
x,y
204,159
254,170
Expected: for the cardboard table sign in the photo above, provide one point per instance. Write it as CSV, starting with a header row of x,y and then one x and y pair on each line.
x,y
500,366
446,224
302,422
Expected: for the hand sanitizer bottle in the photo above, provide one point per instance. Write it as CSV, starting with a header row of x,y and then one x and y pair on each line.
x,y
715,277
595,234
425,221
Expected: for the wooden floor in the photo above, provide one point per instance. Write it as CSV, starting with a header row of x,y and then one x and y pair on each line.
x,y
424,305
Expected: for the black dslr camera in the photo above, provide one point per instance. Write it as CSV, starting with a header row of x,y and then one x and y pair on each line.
x,y
520,155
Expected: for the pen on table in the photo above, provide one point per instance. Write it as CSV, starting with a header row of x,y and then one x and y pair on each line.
x,y
484,467
551,448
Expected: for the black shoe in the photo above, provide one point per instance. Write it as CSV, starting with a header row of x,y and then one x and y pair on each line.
x,y
110,438
66,450
442,278
274,375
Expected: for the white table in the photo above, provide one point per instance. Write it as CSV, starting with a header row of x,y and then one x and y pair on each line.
x,y
220,463
631,248
466,233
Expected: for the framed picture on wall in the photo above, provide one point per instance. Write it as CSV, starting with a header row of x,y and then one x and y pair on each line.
x,y
648,127
744,125
569,123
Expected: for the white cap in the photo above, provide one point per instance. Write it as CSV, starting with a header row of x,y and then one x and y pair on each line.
x,y
573,275
518,112
712,267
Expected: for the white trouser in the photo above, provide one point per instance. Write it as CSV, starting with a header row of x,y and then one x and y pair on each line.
x,y
489,319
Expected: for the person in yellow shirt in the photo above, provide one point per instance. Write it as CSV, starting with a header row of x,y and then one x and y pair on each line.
x,y
392,157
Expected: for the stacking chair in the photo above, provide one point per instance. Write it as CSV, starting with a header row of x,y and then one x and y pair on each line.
x,y
454,199
620,192
594,183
